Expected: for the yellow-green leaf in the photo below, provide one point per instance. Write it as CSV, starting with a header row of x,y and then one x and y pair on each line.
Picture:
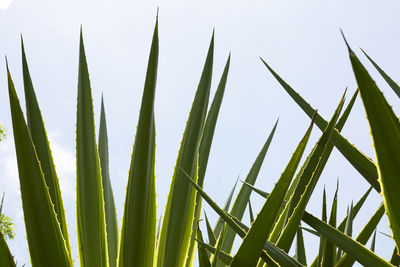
x,y
46,243
109,204
176,227
42,147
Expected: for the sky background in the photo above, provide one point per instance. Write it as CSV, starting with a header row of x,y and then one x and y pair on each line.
x,y
299,39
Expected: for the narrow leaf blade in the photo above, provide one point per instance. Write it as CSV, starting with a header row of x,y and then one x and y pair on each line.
x,y
179,212
109,204
42,147
45,240
385,129
91,227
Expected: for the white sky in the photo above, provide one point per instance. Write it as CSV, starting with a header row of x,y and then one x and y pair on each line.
x,y
300,40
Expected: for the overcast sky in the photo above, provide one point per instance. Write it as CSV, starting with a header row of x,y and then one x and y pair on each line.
x,y
299,39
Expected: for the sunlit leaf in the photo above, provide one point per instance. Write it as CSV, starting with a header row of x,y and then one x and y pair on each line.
x,y
253,244
361,253
309,177
361,163
46,243
385,130
363,236
109,204
42,147
204,261
179,211
204,150
91,227
242,198
218,226
329,251
271,253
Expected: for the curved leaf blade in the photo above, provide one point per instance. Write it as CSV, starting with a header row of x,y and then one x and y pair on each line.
x,y
45,240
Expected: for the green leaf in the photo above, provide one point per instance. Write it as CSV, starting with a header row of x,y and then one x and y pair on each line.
x,y
218,247
300,255
211,237
372,248
224,257
289,208
218,226
361,163
389,80
109,204
204,150
309,177
274,253
348,229
385,130
91,227
363,236
138,232
204,261
242,198
355,210
361,253
395,259
329,252
179,212
342,225
321,237
6,259
46,243
252,245
39,138
251,213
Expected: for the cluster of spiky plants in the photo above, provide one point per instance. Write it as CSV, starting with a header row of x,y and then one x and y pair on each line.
x,y
139,243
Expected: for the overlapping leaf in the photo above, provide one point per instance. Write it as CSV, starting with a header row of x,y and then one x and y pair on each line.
x,y
392,84
358,251
138,233
361,163
42,147
253,244
45,240
242,198
109,203
179,212
6,259
385,129
204,150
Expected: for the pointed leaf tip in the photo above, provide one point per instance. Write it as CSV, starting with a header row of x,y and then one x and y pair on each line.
x,y
347,43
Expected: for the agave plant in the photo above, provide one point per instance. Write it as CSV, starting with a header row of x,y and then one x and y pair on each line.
x,y
139,242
